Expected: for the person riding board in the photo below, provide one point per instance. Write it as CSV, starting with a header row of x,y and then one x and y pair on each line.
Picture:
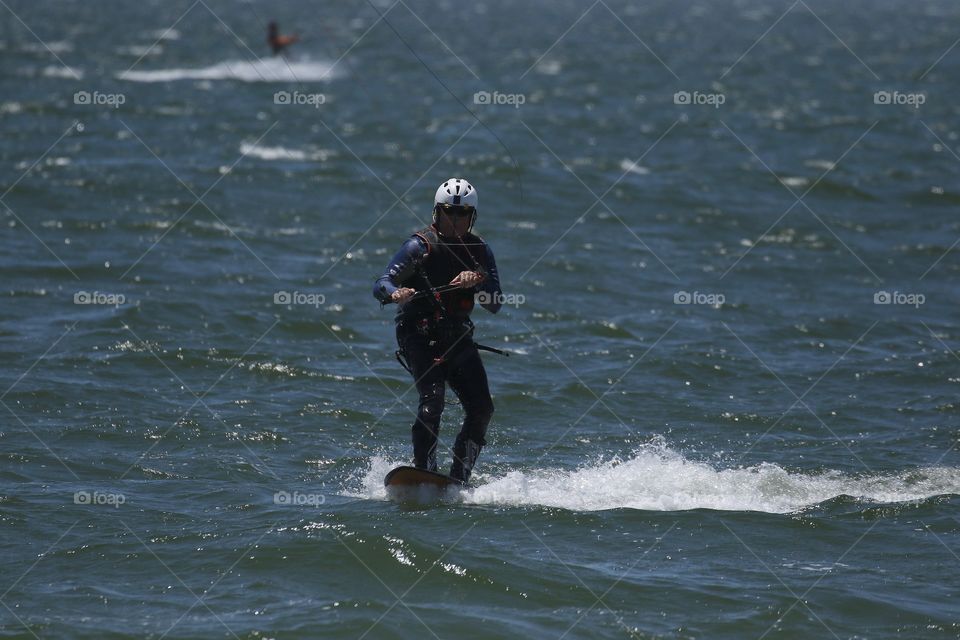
x,y
279,43
435,279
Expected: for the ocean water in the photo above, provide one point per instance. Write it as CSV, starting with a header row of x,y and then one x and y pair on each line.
x,y
729,230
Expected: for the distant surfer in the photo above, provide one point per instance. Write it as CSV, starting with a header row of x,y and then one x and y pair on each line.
x,y
435,278
279,42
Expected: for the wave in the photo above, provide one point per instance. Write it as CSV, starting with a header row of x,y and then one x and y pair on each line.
x,y
165,34
62,71
656,478
267,70
630,166
283,153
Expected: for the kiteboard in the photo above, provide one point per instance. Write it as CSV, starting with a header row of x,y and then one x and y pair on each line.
x,y
413,478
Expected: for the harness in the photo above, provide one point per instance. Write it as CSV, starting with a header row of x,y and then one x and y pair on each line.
x,y
442,261
438,321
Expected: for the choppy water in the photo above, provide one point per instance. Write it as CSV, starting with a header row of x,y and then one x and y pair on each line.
x,y
185,457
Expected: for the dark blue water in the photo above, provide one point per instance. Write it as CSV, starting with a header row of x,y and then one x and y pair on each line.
x,y
730,233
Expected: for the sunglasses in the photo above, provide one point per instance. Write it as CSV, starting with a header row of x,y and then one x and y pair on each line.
x,y
457,209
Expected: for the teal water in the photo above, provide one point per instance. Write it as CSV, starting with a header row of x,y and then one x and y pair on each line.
x,y
188,458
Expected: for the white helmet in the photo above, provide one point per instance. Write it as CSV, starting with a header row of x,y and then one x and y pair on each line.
x,y
456,191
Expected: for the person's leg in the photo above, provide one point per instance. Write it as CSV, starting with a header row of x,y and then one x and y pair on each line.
x,y
468,379
429,379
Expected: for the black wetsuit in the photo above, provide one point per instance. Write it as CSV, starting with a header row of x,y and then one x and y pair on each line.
x,y
436,338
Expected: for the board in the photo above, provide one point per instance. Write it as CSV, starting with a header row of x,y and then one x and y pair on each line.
x,y
412,478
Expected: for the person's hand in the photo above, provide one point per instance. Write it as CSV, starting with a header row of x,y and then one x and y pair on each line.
x,y
467,279
402,295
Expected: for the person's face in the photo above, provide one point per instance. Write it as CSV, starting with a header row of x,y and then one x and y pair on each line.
x,y
454,221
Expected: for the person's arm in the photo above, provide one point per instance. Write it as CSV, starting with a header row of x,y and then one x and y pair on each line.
x,y
399,270
491,284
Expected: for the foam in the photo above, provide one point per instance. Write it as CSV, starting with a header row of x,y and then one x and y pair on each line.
x,y
266,70
282,153
60,71
630,166
656,478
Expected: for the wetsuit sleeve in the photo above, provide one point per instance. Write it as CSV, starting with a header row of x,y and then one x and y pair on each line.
x,y
491,285
400,269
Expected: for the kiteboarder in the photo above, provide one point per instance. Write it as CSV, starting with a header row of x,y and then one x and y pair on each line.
x,y
436,278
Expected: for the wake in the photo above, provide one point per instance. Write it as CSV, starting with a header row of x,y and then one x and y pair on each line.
x,y
656,478
266,70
